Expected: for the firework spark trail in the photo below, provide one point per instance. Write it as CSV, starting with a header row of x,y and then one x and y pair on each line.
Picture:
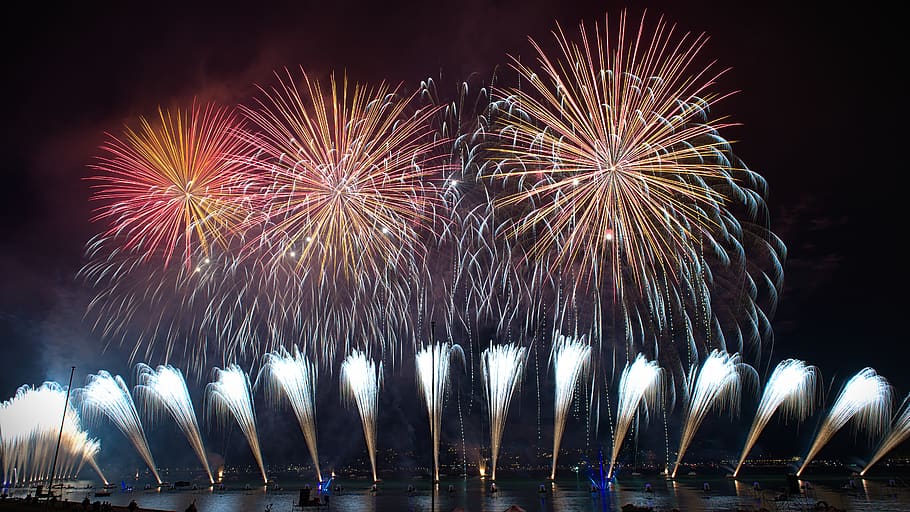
x,y
483,280
900,431
29,430
791,389
108,396
254,307
230,395
865,400
433,366
178,181
639,389
717,385
294,376
571,359
502,368
165,389
360,382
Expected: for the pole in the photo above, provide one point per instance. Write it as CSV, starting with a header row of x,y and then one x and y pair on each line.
x,y
66,404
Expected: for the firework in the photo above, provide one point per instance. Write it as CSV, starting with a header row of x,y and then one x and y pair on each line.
x,y
294,376
717,385
175,184
615,178
108,396
164,389
345,183
571,357
29,431
360,382
900,431
791,388
502,368
229,395
347,172
433,365
639,389
612,127
866,400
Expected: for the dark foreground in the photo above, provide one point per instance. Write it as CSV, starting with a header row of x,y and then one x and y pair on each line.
x,y
633,493
19,504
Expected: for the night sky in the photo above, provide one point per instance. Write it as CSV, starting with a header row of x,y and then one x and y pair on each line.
x,y
820,101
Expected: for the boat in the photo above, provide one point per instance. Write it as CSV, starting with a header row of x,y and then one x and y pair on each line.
x,y
102,493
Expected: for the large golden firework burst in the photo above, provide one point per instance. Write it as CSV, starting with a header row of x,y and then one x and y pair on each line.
x,y
614,161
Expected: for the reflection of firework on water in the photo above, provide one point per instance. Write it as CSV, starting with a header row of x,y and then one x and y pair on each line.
x,y
717,385
30,423
900,431
791,389
571,358
164,389
865,400
433,365
639,389
230,396
360,381
176,183
502,367
108,396
294,376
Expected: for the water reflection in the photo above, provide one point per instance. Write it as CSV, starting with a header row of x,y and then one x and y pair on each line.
x,y
474,495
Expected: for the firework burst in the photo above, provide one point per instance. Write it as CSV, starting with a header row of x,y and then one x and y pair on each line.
x,y
608,136
174,184
347,174
614,173
346,182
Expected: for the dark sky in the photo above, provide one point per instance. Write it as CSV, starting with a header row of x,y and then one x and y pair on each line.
x,y
821,103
